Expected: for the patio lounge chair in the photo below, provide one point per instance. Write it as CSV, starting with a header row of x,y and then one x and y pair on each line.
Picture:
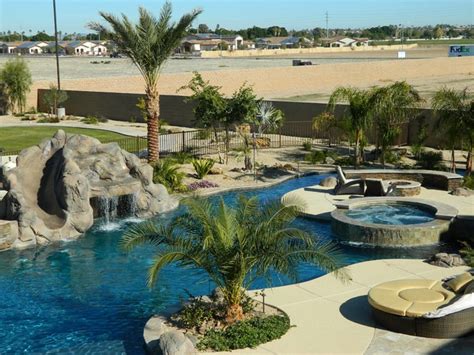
x,y
402,306
378,187
348,186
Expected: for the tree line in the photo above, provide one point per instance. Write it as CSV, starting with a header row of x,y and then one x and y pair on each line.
x,y
251,33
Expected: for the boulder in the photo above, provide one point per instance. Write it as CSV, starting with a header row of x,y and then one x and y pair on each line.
x,y
330,161
462,191
175,342
446,260
154,329
50,190
330,181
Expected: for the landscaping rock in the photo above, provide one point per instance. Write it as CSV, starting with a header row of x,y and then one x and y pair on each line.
x,y
329,160
175,342
217,295
216,171
330,181
446,260
50,190
463,191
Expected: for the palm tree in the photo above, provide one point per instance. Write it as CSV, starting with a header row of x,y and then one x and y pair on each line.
x,y
393,105
234,246
455,114
358,113
148,43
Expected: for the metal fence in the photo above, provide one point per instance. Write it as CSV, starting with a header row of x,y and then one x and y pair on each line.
x,y
207,142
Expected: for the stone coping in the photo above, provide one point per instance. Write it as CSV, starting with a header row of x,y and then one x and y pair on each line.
x,y
445,174
331,317
441,210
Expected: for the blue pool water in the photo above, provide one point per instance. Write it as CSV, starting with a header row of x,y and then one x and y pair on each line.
x,y
88,296
392,214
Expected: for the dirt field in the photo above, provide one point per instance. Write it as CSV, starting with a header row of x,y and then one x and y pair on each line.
x,y
427,69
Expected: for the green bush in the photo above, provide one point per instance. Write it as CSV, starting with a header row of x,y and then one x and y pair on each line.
x,y
431,160
468,254
315,156
52,119
392,157
307,145
15,77
202,134
345,161
468,182
195,313
202,167
93,120
245,334
166,172
182,157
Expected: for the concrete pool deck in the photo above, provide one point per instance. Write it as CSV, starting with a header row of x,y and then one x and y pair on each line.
x,y
319,201
330,317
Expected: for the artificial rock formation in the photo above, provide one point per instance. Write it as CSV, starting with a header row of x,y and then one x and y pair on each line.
x,y
50,190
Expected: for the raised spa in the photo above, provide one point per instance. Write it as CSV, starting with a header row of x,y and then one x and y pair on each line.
x,y
391,221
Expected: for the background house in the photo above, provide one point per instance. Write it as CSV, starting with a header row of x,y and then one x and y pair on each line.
x,y
342,41
282,42
30,47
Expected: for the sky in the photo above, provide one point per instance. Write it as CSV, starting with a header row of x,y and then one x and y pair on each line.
x,y
73,15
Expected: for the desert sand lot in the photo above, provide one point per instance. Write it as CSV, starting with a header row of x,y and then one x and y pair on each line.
x,y
428,69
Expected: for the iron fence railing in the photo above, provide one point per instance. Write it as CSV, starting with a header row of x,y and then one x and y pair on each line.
x,y
202,142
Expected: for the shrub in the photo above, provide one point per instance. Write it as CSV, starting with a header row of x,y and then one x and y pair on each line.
x,y
315,156
391,157
166,172
430,160
468,254
202,167
54,98
16,82
202,134
93,120
203,184
468,181
246,333
195,313
307,145
345,161
182,157
52,119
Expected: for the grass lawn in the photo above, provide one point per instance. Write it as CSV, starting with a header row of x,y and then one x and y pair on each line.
x,y
16,138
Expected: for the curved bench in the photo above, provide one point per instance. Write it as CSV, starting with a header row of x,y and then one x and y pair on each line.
x,y
399,306
428,178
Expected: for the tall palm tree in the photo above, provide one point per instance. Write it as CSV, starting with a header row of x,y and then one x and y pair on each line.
x,y
148,43
358,113
455,112
393,105
234,246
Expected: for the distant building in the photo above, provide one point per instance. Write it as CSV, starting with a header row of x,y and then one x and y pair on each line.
x,y
30,47
8,47
85,48
282,42
342,41
209,42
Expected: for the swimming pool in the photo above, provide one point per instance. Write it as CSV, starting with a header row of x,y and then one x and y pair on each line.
x,y
89,296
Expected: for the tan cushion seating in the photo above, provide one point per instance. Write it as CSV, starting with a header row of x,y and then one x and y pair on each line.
x,y
411,298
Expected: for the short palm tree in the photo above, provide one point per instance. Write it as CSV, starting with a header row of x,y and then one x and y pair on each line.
x,y
393,105
148,43
358,113
455,112
234,246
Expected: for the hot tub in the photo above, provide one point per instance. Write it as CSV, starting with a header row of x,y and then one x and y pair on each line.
x,y
392,221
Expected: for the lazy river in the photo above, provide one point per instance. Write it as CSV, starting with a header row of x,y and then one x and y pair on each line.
x,y
88,296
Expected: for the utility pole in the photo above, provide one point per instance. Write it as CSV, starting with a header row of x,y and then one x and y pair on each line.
x,y
56,44
401,35
327,25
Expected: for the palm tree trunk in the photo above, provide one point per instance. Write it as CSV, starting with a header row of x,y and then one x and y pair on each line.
x,y
469,159
453,161
357,147
153,124
234,313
